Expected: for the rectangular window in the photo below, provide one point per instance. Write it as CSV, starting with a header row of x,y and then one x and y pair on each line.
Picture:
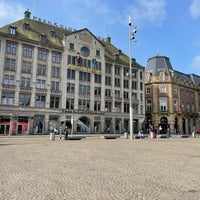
x,y
126,95
108,68
126,83
126,72
84,89
163,104
26,67
108,81
175,105
86,63
11,48
97,91
54,102
55,72
174,90
71,74
71,46
84,76
117,82
27,52
97,105
41,84
56,57
12,30
7,98
117,70
148,91
71,88
40,101
10,64
126,107
98,66
141,75
182,107
108,92
24,99
42,54
97,78
134,85
148,106
162,89
108,106
54,85
117,94
141,86
134,95
70,103
84,104
97,52
117,107
43,38
71,60
134,73
135,109
41,70
25,82
141,97
8,79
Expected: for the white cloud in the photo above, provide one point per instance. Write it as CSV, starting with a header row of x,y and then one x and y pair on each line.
x,y
93,10
194,9
196,62
10,12
152,11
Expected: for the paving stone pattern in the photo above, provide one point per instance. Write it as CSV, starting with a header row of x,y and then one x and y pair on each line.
x,y
93,168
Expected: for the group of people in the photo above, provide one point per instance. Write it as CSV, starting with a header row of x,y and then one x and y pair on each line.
x,y
66,132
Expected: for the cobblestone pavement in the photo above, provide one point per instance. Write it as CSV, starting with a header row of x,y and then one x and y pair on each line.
x,y
93,168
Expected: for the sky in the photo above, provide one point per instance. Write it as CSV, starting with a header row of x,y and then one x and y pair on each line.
x,y
168,28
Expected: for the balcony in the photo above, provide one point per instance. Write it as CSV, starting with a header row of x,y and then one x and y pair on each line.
x,y
8,87
55,91
41,90
164,112
25,89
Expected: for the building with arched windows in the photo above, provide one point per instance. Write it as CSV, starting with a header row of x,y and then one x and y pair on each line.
x,y
53,76
171,97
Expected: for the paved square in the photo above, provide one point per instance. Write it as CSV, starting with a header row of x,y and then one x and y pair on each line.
x,y
34,167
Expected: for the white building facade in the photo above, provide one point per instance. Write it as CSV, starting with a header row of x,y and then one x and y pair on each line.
x,y
51,77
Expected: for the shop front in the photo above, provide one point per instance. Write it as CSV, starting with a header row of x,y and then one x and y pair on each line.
x,y
4,124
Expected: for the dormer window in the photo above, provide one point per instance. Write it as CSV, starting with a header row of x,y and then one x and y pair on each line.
x,y
26,26
53,33
43,38
97,52
12,30
116,56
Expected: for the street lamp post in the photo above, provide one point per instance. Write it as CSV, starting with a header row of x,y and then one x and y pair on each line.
x,y
131,37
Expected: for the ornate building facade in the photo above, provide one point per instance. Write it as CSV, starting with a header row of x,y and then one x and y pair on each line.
x,y
171,97
52,76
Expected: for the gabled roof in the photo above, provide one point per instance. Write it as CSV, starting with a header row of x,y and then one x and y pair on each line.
x,y
38,28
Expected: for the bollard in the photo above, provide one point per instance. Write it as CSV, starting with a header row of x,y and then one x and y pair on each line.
x,y
125,135
52,136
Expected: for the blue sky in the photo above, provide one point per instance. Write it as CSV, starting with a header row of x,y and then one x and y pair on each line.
x,y
166,27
